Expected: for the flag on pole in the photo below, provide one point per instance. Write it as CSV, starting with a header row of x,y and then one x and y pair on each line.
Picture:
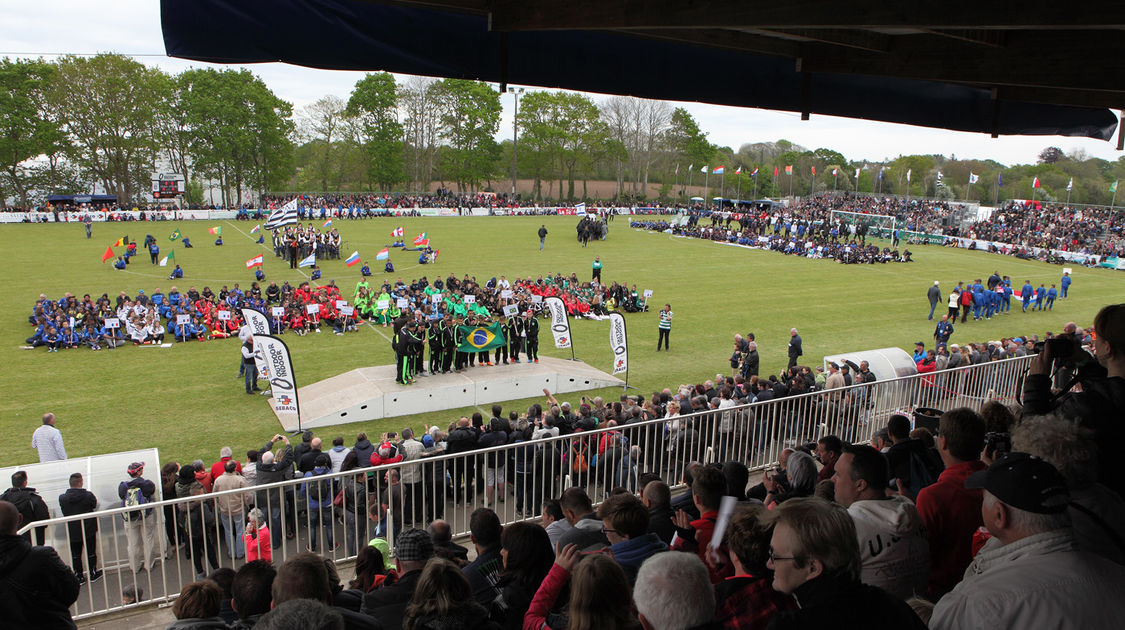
x,y
691,166
353,259
835,171
256,229
704,169
881,172
398,232
327,223
775,171
423,243
120,242
383,254
285,215
973,177
418,239
1070,185
1113,187
738,171
677,169
1035,183
940,179
755,172
908,174
813,170
108,255
434,257
789,169
217,230
999,179
580,209
174,236
719,170
170,258
308,262
857,173
254,262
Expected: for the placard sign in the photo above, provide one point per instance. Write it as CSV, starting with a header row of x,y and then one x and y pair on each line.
x,y
223,316
511,310
538,299
277,311
112,322
312,309
183,319
341,303
403,303
436,298
347,311
383,305
506,293
648,293
470,299
1067,270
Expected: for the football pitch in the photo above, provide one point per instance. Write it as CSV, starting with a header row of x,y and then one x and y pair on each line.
x,y
187,401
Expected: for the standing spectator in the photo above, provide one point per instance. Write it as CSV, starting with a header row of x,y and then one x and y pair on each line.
x,y
83,533
1031,574
913,465
48,440
934,295
232,508
200,525
338,453
307,461
38,588
271,469
746,600
671,593
665,326
140,524
892,543
814,553
949,510
28,503
256,537
318,494
250,469
219,467
795,349
411,450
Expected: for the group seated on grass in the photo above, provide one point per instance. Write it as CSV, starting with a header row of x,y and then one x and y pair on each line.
x,y
73,322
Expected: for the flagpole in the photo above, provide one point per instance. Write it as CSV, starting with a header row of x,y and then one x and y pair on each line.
x,y
1113,202
722,188
755,186
707,185
790,182
835,180
739,193
996,190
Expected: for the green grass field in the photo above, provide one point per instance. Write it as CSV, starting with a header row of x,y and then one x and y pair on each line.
x,y
187,402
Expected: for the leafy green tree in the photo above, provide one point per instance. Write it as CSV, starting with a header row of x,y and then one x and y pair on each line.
x,y
470,118
686,141
374,102
27,128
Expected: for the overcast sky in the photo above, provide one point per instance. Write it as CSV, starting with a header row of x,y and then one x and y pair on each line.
x,y
132,27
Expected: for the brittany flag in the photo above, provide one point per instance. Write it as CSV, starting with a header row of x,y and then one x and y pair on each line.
x,y
398,232
382,255
719,170
353,259
254,262
420,238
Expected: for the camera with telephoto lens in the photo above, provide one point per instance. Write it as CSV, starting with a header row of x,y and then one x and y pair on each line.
x,y
1061,347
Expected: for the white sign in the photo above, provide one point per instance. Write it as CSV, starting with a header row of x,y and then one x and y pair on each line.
x,y
436,298
347,311
537,298
560,325
224,316
183,319
470,299
275,354
506,293
403,303
277,311
1067,270
618,343
112,322
647,293
258,325
312,309
341,303
383,305
511,309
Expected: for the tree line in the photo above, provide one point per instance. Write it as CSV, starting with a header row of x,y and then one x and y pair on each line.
x,y
109,122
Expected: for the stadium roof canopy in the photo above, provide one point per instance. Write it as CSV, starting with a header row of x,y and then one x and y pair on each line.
x,y
1036,67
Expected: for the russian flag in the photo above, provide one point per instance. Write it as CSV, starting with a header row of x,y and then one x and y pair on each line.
x,y
353,259
254,262
719,170
418,239
382,255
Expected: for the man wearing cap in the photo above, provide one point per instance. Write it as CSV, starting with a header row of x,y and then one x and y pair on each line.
x,y
934,295
1030,573
919,351
140,525
388,603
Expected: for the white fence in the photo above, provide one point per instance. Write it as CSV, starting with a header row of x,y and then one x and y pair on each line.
x,y
522,476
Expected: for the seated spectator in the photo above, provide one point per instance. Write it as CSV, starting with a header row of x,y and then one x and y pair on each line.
x,y
527,556
799,480
251,592
599,592
302,613
892,544
388,604
444,547
197,607
483,572
684,501
554,521
671,593
657,498
828,449
1031,574
304,576
444,599
950,511
746,600
224,578
371,571
1097,514
707,491
586,528
46,587
625,523
814,553
913,465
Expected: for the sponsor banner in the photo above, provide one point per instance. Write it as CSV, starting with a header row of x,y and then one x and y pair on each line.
x,y
259,326
282,383
560,324
618,343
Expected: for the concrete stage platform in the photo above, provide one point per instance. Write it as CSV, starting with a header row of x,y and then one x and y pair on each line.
x,y
371,393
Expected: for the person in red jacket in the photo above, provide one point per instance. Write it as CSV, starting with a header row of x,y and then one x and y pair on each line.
x,y
707,488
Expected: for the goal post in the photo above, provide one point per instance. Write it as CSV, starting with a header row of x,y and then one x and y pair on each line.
x,y
879,225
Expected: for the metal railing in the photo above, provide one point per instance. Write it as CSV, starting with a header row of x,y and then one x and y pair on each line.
x,y
162,546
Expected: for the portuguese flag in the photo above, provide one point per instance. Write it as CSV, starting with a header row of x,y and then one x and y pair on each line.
x,y
481,338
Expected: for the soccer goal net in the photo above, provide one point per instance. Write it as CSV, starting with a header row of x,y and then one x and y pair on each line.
x,y
877,224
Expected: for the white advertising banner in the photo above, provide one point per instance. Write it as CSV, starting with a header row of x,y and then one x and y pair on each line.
x,y
618,343
282,383
259,326
560,324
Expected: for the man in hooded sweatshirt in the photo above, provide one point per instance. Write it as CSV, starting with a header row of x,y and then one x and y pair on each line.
x,y
47,587
893,548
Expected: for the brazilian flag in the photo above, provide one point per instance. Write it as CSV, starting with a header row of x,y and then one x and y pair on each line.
x,y
174,236
481,338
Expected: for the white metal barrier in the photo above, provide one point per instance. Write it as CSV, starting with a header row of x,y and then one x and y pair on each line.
x,y
171,541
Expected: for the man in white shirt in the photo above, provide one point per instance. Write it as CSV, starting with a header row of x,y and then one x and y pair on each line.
x,y
48,440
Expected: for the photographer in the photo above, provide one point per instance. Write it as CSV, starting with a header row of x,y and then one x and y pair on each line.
x,y
1100,405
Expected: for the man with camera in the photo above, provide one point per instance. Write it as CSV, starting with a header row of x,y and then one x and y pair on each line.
x,y
1100,405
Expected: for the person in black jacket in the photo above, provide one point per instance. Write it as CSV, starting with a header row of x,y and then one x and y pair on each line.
x,y
83,533
271,469
795,349
463,439
657,498
413,550
531,335
814,554
38,588
28,503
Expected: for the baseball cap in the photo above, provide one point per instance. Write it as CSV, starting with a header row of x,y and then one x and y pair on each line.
x,y
1024,482
136,467
427,440
414,545
835,365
